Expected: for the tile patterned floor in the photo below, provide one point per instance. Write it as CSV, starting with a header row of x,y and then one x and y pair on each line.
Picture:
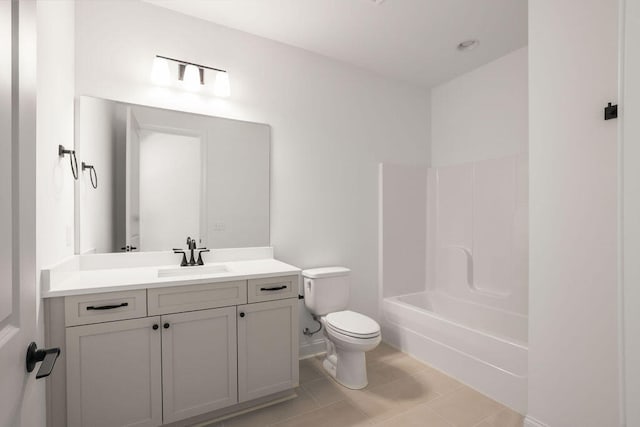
x,y
401,392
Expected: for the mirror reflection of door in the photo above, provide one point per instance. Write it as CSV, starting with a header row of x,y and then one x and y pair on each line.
x,y
169,189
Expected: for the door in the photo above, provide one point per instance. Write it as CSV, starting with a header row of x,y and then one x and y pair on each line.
x,y
267,348
114,374
630,139
21,399
167,217
132,190
199,362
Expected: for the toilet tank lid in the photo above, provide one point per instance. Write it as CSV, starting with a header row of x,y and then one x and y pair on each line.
x,y
317,273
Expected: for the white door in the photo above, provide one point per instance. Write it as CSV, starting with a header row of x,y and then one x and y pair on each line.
x,y
631,208
199,362
132,189
267,348
169,161
20,401
114,374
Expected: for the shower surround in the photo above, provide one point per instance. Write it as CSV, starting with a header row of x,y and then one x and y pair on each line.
x,y
463,308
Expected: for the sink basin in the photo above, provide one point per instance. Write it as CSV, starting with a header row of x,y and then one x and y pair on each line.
x,y
192,271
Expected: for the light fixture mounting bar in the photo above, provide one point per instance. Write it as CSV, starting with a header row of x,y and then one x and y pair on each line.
x,y
180,61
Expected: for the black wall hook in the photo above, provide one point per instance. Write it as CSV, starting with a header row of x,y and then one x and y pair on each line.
x,y
610,112
72,159
93,176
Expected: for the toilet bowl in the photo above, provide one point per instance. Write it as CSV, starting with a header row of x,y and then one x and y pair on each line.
x,y
348,335
347,341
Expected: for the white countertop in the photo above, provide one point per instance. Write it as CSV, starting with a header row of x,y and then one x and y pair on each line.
x,y
113,272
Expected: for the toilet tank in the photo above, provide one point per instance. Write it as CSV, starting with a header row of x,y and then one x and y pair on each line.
x,y
326,290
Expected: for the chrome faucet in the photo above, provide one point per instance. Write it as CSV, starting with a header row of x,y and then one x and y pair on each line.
x,y
191,246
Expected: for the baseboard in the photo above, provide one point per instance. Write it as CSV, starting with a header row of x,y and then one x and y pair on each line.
x,y
529,421
312,348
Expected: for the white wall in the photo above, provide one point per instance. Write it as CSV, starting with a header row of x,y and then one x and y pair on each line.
x,y
403,212
331,123
54,183
573,310
482,114
630,111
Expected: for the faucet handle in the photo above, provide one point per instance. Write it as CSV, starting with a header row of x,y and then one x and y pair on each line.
x,y
183,263
200,261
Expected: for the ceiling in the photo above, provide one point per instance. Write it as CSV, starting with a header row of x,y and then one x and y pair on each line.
x,y
410,40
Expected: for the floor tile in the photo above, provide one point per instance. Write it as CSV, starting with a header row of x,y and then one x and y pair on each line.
x,y
273,414
398,365
437,381
420,416
325,391
391,399
505,418
402,392
339,414
309,370
465,407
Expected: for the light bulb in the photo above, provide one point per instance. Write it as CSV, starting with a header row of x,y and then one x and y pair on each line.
x,y
160,74
191,77
221,87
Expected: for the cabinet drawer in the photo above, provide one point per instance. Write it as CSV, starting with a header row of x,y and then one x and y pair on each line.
x,y
272,288
179,299
106,307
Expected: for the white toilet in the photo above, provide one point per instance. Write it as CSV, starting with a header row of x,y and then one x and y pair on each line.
x,y
348,334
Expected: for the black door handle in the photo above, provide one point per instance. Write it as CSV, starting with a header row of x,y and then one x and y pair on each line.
x,y
155,327
277,288
107,307
47,356
242,314
166,326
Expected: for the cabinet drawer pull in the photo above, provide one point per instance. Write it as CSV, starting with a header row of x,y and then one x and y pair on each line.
x,y
242,314
155,327
108,307
166,326
277,288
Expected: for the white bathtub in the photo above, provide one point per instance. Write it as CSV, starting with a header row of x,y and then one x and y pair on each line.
x,y
482,347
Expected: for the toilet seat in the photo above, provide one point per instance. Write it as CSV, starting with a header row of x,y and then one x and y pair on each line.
x,y
352,324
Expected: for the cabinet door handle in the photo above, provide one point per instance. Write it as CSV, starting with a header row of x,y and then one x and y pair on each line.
x,y
242,314
276,288
107,307
155,327
166,326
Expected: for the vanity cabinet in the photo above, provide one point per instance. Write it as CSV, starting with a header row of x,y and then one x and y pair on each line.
x,y
267,348
114,374
199,359
169,366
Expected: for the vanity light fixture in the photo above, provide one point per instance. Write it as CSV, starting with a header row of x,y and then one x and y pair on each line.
x,y
160,73
221,87
191,75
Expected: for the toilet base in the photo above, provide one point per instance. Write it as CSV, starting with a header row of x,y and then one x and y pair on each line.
x,y
348,368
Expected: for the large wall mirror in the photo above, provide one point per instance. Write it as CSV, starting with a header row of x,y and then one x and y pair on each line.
x,y
164,175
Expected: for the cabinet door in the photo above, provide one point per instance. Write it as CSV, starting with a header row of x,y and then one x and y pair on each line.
x,y
267,348
113,374
199,362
